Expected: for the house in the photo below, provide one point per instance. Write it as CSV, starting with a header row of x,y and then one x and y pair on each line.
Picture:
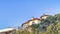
x,y
30,22
34,21
44,16
7,31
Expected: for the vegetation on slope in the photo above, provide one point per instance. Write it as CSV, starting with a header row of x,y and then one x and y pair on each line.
x,y
50,25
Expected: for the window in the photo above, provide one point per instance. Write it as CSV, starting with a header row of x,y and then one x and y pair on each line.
x,y
33,22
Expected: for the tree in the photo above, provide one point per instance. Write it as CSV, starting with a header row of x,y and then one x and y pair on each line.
x,y
35,28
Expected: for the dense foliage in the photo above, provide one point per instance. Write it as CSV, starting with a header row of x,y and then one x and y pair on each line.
x,y
50,25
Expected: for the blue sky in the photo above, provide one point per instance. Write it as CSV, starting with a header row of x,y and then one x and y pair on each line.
x,y
15,12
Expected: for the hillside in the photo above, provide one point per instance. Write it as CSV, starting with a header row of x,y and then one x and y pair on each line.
x,y
50,25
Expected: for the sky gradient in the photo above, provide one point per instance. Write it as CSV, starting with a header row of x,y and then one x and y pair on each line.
x,y
16,12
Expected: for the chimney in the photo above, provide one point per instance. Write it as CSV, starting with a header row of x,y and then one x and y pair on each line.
x,y
32,18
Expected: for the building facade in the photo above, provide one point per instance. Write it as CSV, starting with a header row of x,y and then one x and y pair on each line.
x,y
31,21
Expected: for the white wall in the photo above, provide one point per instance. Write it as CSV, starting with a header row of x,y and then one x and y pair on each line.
x,y
35,22
44,17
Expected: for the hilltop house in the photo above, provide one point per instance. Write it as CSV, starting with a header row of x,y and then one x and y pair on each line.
x,y
44,16
34,21
30,22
